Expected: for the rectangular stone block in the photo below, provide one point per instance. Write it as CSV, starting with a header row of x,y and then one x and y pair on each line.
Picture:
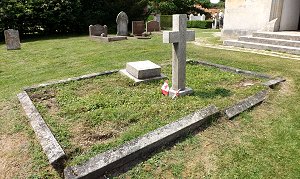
x,y
113,38
98,30
152,26
12,39
274,82
105,162
138,27
245,104
143,69
48,142
109,38
83,77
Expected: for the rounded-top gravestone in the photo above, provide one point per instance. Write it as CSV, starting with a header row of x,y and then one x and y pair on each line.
x,y
122,24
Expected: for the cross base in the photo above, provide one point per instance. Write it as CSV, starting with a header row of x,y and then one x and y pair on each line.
x,y
184,92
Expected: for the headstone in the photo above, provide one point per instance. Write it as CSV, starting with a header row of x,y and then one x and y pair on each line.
x,y
203,17
178,38
141,71
152,26
214,24
98,30
157,18
215,21
195,18
122,24
221,19
138,28
12,39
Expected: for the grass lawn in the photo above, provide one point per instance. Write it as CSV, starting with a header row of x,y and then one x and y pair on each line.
x,y
92,116
261,143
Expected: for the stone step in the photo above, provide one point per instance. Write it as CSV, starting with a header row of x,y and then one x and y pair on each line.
x,y
287,36
292,50
281,42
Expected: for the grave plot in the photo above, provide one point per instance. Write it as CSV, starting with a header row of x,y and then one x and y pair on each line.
x,y
94,115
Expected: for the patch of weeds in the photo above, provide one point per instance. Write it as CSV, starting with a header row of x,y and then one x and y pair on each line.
x,y
18,128
177,169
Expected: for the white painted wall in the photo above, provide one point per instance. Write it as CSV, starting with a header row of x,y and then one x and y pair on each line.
x,y
243,17
246,14
290,15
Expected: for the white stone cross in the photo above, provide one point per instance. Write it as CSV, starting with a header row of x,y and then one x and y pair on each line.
x,y
178,37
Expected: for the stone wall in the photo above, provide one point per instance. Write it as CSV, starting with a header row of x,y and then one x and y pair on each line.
x,y
290,15
243,17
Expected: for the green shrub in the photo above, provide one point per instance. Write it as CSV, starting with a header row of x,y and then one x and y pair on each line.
x,y
150,18
200,24
165,21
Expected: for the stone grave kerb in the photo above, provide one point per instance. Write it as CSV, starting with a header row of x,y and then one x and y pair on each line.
x,y
178,37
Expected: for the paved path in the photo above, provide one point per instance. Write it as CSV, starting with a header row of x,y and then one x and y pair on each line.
x,y
199,42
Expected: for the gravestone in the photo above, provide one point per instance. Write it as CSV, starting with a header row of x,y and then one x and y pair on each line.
x,y
122,24
221,19
138,28
142,71
12,39
98,30
191,17
215,21
203,17
195,18
178,38
157,18
152,26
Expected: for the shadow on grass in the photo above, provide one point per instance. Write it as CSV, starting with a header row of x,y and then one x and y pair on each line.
x,y
213,94
34,38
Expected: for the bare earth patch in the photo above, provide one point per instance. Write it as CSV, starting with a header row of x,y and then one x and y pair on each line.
x,y
85,136
14,156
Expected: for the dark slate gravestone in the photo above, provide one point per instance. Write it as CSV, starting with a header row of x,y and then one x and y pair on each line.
x,y
12,39
138,28
98,30
153,26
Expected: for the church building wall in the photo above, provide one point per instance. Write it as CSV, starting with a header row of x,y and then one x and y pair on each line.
x,y
290,15
243,17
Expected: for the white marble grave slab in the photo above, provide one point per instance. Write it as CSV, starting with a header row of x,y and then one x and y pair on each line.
x,y
142,71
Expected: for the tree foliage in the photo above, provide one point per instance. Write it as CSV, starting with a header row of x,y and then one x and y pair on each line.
x,y
69,16
173,6
208,4
65,16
